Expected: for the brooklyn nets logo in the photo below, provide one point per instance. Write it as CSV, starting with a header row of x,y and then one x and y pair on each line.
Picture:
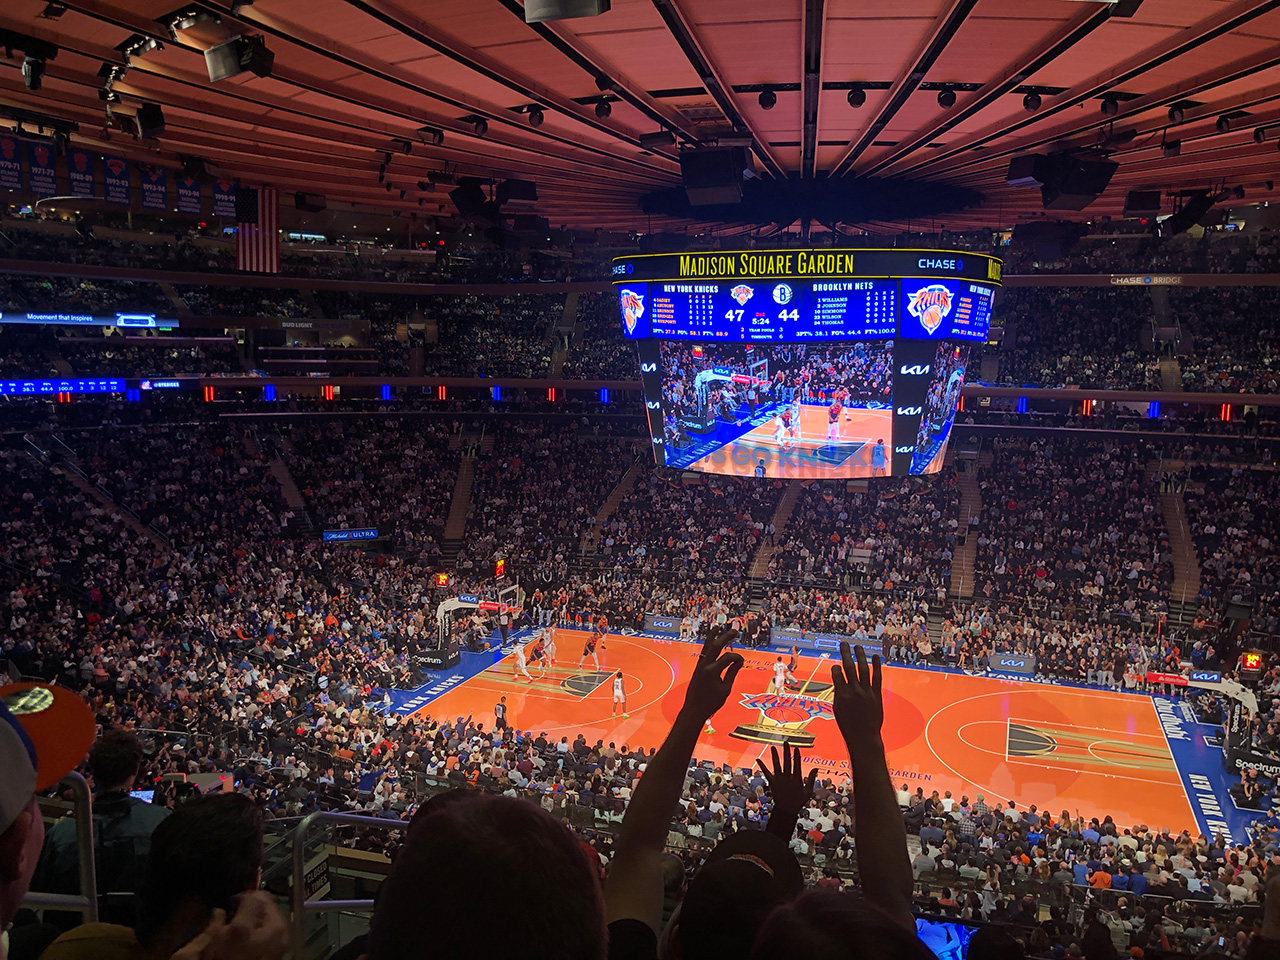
x,y
784,716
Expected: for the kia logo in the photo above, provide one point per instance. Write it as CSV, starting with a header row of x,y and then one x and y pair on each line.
x,y
663,623
657,441
1011,662
904,449
916,371
909,411
648,368
652,404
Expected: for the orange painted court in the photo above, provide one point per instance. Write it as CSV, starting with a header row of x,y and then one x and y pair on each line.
x,y
1057,747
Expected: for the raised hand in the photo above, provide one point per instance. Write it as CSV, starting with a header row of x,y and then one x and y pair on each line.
x,y
790,790
256,932
712,679
858,706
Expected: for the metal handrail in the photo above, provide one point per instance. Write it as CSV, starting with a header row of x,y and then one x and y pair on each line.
x,y
297,896
86,903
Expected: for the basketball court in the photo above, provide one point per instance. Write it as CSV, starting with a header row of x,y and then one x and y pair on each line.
x,y
810,455
1057,747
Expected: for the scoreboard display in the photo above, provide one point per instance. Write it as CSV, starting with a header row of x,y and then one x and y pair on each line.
x,y
805,364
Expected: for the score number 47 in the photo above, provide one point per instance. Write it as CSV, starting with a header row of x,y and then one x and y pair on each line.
x,y
735,316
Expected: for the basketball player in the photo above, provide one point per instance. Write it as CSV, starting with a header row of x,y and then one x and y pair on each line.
x,y
779,676
536,657
550,637
619,696
793,664
833,419
521,666
878,459
589,650
781,429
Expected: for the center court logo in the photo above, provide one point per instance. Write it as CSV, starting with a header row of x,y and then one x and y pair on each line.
x,y
930,305
783,717
632,308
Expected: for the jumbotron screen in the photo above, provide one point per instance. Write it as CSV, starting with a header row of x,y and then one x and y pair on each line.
x,y
805,364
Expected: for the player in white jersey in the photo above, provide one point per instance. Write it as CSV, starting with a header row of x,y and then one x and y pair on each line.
x,y
521,666
619,695
550,636
779,676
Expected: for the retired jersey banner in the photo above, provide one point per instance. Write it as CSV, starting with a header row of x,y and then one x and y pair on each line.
x,y
44,175
189,195
155,188
224,199
10,164
115,180
80,173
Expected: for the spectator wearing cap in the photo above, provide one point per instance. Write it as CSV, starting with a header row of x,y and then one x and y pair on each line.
x,y
44,733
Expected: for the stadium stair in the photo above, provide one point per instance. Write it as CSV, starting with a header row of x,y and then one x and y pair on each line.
x,y
304,525
760,565
1170,375
456,524
967,547
590,536
1185,590
72,470
171,295
563,331
59,362
311,303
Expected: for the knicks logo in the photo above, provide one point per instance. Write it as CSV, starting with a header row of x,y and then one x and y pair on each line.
x,y
632,308
783,717
930,305
742,293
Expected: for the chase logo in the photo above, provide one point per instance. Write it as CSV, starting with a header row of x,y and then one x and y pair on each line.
x,y
917,370
909,411
632,308
622,269
648,368
930,305
789,709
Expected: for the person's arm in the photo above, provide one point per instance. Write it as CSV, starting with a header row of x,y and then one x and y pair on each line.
x,y
633,889
790,791
880,836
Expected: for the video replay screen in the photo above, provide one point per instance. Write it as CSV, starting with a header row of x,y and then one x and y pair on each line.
x,y
797,378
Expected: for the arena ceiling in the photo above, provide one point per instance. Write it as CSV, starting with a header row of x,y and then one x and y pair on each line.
x,y
355,80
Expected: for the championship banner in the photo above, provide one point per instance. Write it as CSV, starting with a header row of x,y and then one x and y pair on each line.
x,y
224,199
10,164
43,174
155,188
80,173
189,198
115,180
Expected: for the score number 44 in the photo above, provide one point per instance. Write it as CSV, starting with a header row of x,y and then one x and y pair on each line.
x,y
735,316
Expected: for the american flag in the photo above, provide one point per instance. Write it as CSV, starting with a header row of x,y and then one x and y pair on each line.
x,y
258,229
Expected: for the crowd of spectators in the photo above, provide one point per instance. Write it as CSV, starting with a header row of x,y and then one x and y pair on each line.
x,y
1230,343
1234,520
598,350
49,294
394,475
897,532
492,336
121,357
1076,336
538,491
224,301
1072,527
706,528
